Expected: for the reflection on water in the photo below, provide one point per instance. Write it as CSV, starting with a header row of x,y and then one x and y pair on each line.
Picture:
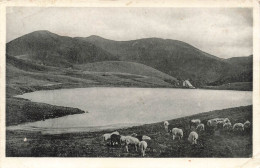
x,y
118,107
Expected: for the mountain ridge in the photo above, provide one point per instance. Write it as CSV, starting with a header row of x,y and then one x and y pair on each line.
x,y
172,57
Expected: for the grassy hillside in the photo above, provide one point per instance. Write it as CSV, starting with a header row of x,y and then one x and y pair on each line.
x,y
90,144
125,67
245,64
21,111
47,48
172,57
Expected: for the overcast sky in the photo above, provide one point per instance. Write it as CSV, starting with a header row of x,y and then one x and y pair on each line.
x,y
225,32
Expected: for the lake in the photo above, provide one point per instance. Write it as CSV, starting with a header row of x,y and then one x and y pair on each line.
x,y
122,107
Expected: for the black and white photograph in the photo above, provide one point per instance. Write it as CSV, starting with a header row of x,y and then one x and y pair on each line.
x,y
129,82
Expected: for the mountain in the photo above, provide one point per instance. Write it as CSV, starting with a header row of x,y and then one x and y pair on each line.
x,y
44,47
244,62
244,71
172,57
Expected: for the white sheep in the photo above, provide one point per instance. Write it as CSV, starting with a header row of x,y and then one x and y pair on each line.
x,y
107,136
212,122
227,126
226,120
247,125
140,137
194,122
193,137
166,124
200,127
142,146
146,137
129,140
177,133
238,127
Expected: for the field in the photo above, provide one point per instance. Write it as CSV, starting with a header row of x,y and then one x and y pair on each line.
x,y
90,144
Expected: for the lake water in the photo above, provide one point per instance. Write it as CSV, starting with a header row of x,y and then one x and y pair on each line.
x,y
121,107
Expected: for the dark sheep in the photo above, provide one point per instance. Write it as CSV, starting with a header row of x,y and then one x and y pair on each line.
x,y
115,139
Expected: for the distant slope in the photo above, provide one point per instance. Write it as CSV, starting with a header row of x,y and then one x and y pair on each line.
x,y
244,71
125,67
48,48
244,62
25,76
172,57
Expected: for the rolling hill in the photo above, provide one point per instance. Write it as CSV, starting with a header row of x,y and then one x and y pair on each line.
x,y
125,67
47,48
171,57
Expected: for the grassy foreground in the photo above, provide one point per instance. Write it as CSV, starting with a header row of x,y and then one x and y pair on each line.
x,y
89,144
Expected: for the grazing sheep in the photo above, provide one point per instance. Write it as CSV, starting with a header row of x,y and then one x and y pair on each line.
x,y
166,124
146,137
200,127
226,120
107,136
227,126
177,133
194,122
142,146
220,124
193,137
247,125
129,140
115,139
212,122
238,127
141,137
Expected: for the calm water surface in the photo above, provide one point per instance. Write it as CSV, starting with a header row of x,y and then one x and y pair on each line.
x,y
119,107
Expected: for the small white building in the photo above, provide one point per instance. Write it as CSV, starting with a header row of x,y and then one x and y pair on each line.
x,y
187,84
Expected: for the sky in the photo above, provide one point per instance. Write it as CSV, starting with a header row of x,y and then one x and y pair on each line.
x,y
223,32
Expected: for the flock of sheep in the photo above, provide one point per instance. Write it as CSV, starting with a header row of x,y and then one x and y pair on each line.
x,y
134,139
196,127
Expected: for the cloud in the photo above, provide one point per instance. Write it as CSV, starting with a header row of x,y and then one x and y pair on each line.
x,y
224,32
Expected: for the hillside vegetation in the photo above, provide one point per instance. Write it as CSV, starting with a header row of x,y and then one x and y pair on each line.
x,y
174,58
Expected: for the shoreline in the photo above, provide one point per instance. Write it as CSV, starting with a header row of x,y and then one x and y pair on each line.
x,y
90,144
48,111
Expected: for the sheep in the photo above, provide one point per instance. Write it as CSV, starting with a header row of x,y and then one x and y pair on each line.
x,y
142,146
194,122
177,133
107,136
247,125
200,127
238,127
226,120
227,126
115,139
146,137
129,140
220,124
193,137
141,137
166,124
212,122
